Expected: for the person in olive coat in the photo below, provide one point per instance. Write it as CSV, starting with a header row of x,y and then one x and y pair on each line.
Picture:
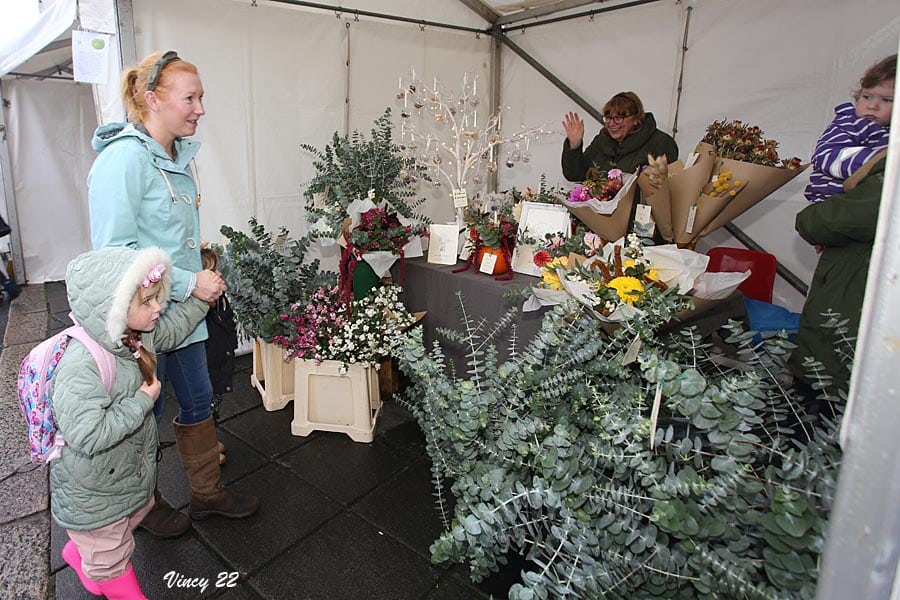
x,y
628,136
844,226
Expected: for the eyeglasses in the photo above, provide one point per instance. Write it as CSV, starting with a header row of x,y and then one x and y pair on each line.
x,y
615,118
161,62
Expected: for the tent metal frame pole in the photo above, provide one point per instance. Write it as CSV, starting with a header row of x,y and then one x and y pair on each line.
x,y
495,99
9,195
341,10
125,32
548,75
540,11
587,13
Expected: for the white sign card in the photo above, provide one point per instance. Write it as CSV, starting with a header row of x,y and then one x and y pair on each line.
x,y
460,198
90,56
537,220
442,244
488,262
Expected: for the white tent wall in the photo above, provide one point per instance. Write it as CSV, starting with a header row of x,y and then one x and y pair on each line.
x,y
435,54
50,124
274,77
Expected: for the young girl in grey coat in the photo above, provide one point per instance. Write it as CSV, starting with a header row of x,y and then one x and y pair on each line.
x,y
102,485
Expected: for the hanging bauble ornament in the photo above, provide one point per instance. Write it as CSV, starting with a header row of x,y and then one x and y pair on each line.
x,y
434,98
491,167
476,180
404,114
437,159
510,163
401,95
461,101
439,116
526,157
515,156
418,103
452,111
474,101
437,184
412,87
485,155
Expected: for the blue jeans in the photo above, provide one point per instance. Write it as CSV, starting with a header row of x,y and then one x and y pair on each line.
x,y
186,369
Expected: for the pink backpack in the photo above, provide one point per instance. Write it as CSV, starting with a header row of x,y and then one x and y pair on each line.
x,y
34,389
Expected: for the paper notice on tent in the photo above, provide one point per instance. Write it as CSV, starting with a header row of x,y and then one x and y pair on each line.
x,y
90,56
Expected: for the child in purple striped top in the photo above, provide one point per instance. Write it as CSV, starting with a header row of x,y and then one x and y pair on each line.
x,y
858,132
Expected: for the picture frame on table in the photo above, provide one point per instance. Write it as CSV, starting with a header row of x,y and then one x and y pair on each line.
x,y
443,243
537,220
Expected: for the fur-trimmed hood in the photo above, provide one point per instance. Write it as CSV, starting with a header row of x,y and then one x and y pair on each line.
x,y
100,285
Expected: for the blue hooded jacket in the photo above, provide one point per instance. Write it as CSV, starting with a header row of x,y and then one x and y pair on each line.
x,y
140,197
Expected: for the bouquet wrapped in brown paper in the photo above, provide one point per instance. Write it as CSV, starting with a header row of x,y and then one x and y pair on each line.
x,y
603,202
732,170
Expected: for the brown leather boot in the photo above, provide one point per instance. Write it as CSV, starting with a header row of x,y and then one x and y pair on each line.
x,y
163,521
198,448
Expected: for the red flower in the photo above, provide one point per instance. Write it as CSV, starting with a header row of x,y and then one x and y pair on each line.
x,y
542,258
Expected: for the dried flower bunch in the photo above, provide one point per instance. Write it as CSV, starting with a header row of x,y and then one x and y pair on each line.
x,y
744,142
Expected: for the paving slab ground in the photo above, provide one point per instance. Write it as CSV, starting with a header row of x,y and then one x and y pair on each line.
x,y
338,519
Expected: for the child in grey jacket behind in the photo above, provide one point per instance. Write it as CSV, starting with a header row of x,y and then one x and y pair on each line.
x,y
102,485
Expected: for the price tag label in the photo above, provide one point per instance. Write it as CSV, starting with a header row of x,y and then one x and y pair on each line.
x,y
692,214
643,221
654,414
460,198
692,158
488,261
632,353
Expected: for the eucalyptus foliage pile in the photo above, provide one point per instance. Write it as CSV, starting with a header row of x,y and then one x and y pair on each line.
x,y
266,274
349,167
550,455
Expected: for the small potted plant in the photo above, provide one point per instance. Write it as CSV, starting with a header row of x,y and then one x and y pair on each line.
x,y
492,227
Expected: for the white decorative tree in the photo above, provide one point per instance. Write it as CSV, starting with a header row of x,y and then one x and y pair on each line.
x,y
440,131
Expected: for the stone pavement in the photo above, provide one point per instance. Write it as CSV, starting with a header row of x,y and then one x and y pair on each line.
x,y
338,520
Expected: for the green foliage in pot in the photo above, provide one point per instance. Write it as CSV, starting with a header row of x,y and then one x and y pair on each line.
x,y
266,274
351,166
720,489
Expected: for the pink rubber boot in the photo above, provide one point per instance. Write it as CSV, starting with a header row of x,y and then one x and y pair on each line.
x,y
72,557
123,587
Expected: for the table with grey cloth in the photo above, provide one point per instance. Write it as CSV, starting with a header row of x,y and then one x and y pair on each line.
x,y
434,288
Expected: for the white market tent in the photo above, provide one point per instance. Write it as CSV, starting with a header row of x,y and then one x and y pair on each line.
x,y
281,73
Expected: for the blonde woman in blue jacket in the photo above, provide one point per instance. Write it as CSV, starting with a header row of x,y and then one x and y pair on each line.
x,y
143,191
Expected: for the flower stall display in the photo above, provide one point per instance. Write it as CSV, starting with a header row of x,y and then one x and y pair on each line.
x,y
380,239
492,227
624,280
603,202
732,169
337,349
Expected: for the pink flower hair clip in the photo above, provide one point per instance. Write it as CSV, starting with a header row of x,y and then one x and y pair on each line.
x,y
154,275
